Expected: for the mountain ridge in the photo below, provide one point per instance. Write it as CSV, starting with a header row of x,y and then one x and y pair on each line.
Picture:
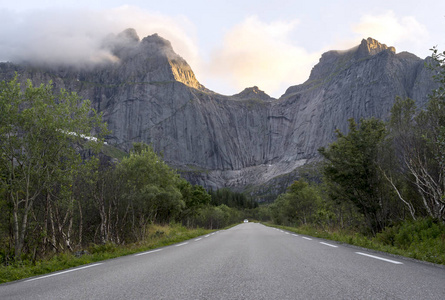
x,y
151,94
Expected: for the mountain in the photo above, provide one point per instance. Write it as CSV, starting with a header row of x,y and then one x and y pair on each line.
x,y
246,140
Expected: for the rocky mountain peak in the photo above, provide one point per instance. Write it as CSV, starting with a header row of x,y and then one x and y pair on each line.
x,y
372,47
245,140
335,60
253,93
122,43
151,58
129,35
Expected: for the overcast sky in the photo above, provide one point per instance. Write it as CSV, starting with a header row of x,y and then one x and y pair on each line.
x,y
229,44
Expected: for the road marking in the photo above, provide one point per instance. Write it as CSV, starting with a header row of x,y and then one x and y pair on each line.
x,y
381,258
306,238
198,239
287,233
329,245
179,245
207,235
143,253
295,234
60,273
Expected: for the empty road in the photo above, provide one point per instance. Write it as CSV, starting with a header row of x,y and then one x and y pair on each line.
x,y
249,261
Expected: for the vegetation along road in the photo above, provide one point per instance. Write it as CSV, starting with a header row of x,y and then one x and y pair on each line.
x,y
249,261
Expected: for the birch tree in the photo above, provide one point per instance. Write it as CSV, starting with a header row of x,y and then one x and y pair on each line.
x,y
39,132
421,140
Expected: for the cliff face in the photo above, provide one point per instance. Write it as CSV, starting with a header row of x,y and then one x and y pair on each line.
x,y
151,94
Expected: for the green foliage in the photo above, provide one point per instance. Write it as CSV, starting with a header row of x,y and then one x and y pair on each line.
x,y
423,239
114,152
151,188
214,217
38,155
232,199
299,205
195,198
419,139
352,171
173,234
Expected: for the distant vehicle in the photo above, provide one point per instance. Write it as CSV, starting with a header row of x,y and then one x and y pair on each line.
x,y
246,221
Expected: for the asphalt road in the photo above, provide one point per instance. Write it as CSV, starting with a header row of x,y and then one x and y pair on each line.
x,y
249,261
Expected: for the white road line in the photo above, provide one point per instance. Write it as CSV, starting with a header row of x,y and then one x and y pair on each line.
x,y
287,233
295,234
306,238
381,258
143,253
207,235
329,245
179,245
60,273
198,239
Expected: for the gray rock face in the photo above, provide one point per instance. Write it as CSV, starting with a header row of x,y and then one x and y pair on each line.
x,y
152,95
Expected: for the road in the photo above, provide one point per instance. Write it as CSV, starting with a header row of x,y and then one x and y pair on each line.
x,y
249,261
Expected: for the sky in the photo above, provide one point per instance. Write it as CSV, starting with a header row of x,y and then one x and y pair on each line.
x,y
230,45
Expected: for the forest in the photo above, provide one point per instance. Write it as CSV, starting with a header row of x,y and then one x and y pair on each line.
x,y
59,193
382,179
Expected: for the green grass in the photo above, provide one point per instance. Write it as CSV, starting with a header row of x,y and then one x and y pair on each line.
x,y
422,239
159,236
114,152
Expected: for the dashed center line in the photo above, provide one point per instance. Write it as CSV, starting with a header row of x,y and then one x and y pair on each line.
x,y
287,233
207,235
295,234
143,253
328,245
60,273
381,258
198,239
179,245
306,238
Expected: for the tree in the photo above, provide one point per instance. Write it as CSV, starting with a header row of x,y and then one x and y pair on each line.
x,y
151,187
39,133
404,138
352,171
195,197
298,204
421,140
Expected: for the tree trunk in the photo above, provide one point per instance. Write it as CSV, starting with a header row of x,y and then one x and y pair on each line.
x,y
80,225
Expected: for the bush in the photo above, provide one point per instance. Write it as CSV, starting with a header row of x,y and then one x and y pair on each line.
x,y
421,239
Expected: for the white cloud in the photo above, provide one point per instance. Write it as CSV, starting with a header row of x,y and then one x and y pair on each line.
x,y
75,37
178,29
262,54
392,30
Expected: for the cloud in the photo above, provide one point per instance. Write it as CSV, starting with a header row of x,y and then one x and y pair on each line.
x,y
75,37
392,30
177,29
262,54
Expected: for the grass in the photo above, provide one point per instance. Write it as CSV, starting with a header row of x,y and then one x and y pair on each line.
x,y
114,152
160,236
423,239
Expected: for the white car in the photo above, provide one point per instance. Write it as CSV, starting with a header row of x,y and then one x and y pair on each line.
x,y
246,221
